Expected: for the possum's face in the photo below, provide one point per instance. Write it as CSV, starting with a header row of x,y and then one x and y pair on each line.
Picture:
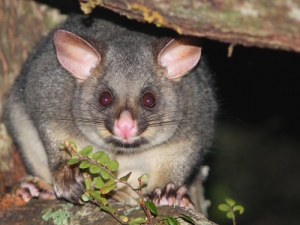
x,y
130,110
127,96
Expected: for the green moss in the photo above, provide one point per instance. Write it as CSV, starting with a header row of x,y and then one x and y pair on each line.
x,y
60,216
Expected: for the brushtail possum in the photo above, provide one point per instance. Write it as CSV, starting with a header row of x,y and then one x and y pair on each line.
x,y
144,99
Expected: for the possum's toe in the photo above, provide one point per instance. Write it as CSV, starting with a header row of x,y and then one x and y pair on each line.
x,y
172,196
34,187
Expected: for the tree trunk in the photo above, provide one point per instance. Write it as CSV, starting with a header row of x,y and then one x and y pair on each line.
x,y
23,23
271,24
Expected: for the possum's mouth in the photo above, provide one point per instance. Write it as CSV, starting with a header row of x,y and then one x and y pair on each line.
x,y
133,143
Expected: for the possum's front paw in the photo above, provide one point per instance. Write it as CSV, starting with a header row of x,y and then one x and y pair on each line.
x,y
33,187
170,196
69,183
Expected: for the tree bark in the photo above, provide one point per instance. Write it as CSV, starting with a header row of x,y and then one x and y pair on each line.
x,y
23,23
50,212
271,24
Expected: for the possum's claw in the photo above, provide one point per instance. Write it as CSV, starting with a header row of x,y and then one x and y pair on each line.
x,y
33,187
170,196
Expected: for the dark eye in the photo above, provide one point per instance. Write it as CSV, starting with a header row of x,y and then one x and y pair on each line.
x,y
105,99
149,100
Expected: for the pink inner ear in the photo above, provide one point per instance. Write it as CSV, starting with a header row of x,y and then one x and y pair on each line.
x,y
75,54
178,58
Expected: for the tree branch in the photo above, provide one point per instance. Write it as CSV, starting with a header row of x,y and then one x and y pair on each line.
x,y
61,212
272,24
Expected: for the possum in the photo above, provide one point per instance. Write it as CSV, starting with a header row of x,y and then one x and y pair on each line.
x,y
146,100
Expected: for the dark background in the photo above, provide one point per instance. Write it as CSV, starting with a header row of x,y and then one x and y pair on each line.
x,y
256,156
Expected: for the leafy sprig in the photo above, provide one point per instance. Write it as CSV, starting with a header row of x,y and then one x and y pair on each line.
x,y
100,179
230,207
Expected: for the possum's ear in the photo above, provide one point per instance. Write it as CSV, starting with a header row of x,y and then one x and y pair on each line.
x,y
179,56
75,54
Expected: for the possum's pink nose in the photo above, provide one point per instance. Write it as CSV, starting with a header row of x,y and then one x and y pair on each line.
x,y
125,127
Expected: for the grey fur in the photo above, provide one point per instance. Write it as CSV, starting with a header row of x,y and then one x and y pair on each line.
x,y
47,105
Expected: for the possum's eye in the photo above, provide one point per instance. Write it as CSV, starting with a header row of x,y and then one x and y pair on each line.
x,y
149,100
105,99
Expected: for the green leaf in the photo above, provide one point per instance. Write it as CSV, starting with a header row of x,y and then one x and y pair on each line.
x,y
94,169
113,165
239,208
105,175
124,218
143,176
230,201
111,177
172,221
187,218
86,150
98,182
84,165
97,155
106,189
104,201
74,156
90,155
85,197
87,183
137,221
126,177
104,159
229,215
165,222
108,209
151,207
224,207
96,195
109,183
141,187
71,142
73,161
